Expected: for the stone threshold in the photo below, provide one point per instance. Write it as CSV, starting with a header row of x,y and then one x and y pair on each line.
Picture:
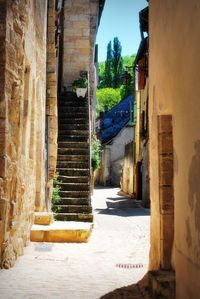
x,y
61,232
45,229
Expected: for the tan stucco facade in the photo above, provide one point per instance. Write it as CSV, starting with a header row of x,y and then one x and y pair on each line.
x,y
174,91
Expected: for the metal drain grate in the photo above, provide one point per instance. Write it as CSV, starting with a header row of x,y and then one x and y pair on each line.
x,y
43,247
129,266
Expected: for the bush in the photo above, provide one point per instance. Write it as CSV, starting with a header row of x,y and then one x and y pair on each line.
x,y
96,150
56,193
108,97
80,83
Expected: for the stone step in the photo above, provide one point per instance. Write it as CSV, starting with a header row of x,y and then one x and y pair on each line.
x,y
71,109
72,101
72,145
162,284
74,179
74,194
74,217
73,126
75,120
43,218
83,209
83,152
72,138
73,172
59,231
72,115
77,157
71,98
72,164
73,133
75,201
74,186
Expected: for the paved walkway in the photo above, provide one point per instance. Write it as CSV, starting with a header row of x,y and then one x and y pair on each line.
x,y
115,256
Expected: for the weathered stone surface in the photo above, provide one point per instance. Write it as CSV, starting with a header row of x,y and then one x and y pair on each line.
x,y
166,190
8,256
22,115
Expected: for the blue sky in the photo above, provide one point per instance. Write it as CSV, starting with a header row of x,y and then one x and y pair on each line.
x,y
120,18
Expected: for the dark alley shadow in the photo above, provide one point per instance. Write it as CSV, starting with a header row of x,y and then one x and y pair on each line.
x,y
126,212
120,198
139,290
99,187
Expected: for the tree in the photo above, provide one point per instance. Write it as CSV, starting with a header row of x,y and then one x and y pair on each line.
x,y
126,90
117,62
101,75
107,97
108,66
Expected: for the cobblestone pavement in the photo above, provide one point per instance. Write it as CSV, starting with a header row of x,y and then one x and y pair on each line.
x,y
115,256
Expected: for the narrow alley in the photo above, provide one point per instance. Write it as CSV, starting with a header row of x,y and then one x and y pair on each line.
x,y
115,256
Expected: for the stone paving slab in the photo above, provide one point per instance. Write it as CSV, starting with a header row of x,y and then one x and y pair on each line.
x,y
85,270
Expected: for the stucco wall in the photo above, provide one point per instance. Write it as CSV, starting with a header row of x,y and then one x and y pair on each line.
x,y
128,169
174,89
117,154
113,158
22,180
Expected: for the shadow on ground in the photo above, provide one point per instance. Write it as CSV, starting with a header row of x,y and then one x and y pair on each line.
x,y
139,290
129,212
122,206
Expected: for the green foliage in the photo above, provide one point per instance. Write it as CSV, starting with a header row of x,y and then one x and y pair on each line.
x,y
125,91
128,60
101,74
96,150
111,89
117,62
107,97
56,193
108,67
80,83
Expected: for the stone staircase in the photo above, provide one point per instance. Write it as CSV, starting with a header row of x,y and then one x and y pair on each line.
x,y
73,159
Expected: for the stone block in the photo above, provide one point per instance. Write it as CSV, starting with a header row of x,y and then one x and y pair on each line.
x,y
166,170
3,165
3,208
53,91
84,51
51,22
165,123
82,43
166,194
61,232
162,284
165,143
53,122
43,218
53,149
167,238
51,77
1,232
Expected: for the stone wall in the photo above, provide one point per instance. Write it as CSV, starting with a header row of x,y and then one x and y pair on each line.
x,y
51,108
80,26
3,200
22,125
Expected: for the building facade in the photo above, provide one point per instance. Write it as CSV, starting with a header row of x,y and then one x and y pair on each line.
x,y
39,40
174,114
